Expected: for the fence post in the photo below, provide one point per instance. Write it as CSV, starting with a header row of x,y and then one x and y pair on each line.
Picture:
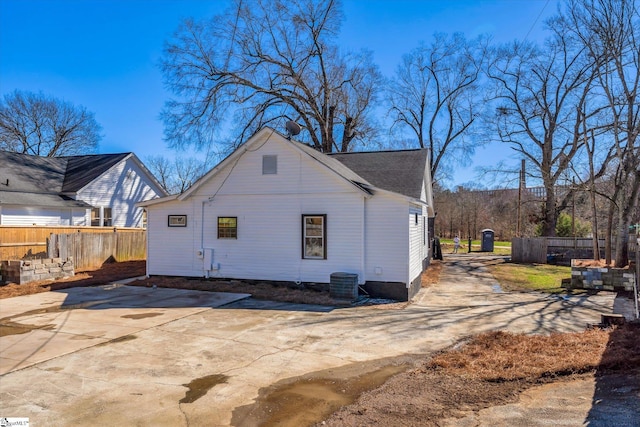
x,y
51,246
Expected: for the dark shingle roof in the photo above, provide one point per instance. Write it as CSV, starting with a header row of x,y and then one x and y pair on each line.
x,y
399,171
40,181
337,166
81,170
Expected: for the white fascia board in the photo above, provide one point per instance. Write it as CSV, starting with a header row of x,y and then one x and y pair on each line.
x,y
157,201
400,196
148,173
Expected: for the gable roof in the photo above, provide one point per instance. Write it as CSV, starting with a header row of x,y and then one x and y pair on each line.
x,y
261,137
398,171
46,181
82,170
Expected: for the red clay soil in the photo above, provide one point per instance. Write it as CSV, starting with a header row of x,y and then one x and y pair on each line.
x,y
106,274
597,263
261,290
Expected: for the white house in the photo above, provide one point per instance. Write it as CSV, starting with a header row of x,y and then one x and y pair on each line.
x,y
98,190
278,210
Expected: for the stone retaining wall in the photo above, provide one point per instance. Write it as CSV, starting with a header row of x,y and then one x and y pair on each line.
x,y
602,278
25,271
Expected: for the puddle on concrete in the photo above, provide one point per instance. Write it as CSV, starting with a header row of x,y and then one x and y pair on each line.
x,y
140,316
200,386
312,398
85,337
13,328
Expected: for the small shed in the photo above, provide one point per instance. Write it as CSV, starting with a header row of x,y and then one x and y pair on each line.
x,y
488,236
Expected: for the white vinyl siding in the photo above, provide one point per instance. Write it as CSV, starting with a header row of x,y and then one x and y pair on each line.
x,y
120,188
170,250
365,234
269,212
386,249
269,242
20,215
416,238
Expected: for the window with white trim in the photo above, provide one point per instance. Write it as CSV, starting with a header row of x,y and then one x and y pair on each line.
x,y
106,217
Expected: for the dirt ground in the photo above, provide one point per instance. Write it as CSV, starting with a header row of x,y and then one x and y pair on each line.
x,y
108,273
259,290
414,390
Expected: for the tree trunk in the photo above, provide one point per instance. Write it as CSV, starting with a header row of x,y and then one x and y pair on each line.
x,y
594,223
607,237
622,243
347,134
327,144
550,216
624,221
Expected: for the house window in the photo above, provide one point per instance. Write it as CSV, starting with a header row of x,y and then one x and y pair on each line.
x,y
177,221
106,217
227,227
269,165
314,236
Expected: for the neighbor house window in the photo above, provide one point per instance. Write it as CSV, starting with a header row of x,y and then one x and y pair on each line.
x,y
227,227
106,217
95,217
269,165
314,236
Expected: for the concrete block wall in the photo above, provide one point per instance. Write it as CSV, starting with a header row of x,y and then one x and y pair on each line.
x,y
602,278
25,271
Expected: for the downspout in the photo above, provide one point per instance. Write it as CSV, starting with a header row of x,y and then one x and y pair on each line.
x,y
148,242
363,247
206,274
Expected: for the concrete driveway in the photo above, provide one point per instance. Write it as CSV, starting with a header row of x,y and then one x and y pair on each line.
x,y
121,355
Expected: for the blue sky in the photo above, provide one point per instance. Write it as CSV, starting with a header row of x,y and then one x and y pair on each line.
x,y
103,54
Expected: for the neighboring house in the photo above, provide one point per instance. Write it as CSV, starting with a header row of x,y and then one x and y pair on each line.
x,y
279,210
92,190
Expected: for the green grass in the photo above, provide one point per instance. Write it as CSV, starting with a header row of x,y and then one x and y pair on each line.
x,y
499,247
531,277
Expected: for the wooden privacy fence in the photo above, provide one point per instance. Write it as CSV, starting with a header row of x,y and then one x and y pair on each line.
x,y
92,250
539,249
529,250
30,242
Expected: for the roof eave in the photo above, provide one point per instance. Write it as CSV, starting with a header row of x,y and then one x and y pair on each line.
x,y
157,201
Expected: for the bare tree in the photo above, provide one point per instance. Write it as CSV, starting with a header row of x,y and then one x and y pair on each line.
x,y
610,31
264,60
178,174
434,95
541,95
33,123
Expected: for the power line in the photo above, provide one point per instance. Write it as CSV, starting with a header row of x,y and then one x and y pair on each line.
x,y
536,20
